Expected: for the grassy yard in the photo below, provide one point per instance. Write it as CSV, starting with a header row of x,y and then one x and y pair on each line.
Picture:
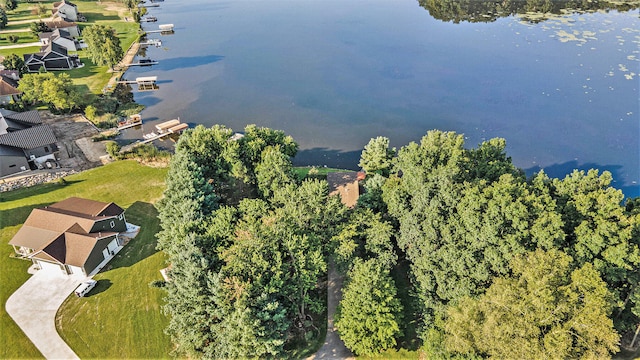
x,y
121,317
90,78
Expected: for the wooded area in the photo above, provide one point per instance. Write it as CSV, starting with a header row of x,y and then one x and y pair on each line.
x,y
499,265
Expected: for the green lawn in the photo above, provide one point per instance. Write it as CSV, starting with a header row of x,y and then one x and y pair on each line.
x,y
121,318
90,78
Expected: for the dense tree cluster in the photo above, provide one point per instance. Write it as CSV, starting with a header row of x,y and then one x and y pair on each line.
x,y
500,265
57,92
246,242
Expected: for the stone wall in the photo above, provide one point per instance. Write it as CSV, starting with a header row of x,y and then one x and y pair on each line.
x,y
33,179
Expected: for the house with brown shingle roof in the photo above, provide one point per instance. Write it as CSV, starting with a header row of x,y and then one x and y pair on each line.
x,y
347,185
8,89
73,236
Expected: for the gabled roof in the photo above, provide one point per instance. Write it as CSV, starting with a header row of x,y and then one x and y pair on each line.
x,y
59,232
14,74
52,47
63,2
58,23
31,117
33,237
30,138
8,86
346,185
86,207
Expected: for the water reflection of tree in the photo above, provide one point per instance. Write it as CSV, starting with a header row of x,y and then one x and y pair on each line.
x,y
529,10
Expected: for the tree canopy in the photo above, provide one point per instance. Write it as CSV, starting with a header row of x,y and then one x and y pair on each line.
x,y
543,310
14,62
499,265
58,92
103,45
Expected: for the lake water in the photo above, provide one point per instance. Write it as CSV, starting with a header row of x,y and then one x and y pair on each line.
x,y
563,92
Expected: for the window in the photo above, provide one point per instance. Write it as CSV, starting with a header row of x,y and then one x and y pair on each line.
x,y
113,224
46,149
120,216
14,165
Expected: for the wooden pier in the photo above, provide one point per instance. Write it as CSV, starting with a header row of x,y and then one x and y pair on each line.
x,y
164,129
145,83
154,42
144,62
132,121
149,19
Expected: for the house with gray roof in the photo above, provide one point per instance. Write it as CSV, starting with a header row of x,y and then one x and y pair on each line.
x,y
66,10
60,37
51,57
25,142
73,236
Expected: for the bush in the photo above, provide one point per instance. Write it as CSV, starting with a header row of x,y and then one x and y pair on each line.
x,y
90,112
106,135
14,38
106,121
113,149
130,109
147,152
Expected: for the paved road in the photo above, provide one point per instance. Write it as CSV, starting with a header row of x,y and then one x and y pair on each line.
x,y
15,31
33,307
333,347
20,45
28,21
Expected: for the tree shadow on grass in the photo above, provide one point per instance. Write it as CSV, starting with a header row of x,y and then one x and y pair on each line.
x,y
144,244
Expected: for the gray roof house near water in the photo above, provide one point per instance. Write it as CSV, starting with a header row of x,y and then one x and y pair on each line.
x,y
73,236
25,143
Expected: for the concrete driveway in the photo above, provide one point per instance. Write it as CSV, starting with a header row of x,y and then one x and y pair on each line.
x,y
34,305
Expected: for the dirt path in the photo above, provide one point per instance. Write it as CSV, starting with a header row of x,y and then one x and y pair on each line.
x,y
333,347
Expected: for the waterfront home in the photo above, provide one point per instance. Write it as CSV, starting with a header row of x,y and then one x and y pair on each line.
x,y
66,10
51,57
25,143
58,23
60,37
73,236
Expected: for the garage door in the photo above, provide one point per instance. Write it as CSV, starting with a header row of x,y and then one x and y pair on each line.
x,y
75,270
47,266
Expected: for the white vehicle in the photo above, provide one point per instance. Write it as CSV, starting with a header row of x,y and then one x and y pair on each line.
x,y
84,288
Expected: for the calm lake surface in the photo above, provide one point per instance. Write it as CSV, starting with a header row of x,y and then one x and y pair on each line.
x,y
563,92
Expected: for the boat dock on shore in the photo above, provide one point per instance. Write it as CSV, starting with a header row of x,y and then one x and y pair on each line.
x,y
164,129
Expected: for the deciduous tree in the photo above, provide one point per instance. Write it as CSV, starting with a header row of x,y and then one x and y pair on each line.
x,y
544,310
369,314
103,45
14,62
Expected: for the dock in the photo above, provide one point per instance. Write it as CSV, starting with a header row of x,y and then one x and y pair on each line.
x,y
149,19
132,121
170,127
144,62
145,83
153,42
